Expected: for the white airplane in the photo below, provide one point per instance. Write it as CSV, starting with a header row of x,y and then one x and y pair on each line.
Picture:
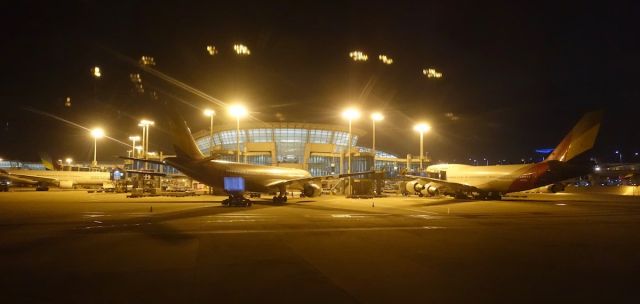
x,y
43,179
491,182
234,178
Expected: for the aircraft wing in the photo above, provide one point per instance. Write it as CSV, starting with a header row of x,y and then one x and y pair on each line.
x,y
287,182
26,178
451,185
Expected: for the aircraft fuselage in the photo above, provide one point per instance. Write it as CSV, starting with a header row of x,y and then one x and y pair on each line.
x,y
257,177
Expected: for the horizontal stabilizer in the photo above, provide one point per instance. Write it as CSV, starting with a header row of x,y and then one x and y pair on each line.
x,y
152,161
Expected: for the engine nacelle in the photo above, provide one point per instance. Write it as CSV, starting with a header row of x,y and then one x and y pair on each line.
x,y
413,187
557,187
430,189
311,190
66,184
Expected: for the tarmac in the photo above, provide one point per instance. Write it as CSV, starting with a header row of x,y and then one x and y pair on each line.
x,y
77,247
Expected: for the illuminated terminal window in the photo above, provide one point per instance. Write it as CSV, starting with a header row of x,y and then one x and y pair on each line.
x,y
290,135
216,140
260,135
340,138
203,143
229,137
319,136
290,144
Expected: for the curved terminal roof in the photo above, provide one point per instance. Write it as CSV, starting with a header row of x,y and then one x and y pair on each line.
x,y
290,137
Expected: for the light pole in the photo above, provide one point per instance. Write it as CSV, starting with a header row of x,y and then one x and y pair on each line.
x,y
211,114
133,144
422,128
238,111
145,135
350,114
96,133
619,156
145,138
377,116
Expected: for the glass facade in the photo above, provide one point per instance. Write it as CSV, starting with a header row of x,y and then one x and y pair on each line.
x,y
323,165
290,142
320,136
260,135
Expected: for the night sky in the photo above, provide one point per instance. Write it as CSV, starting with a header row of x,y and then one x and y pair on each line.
x,y
517,76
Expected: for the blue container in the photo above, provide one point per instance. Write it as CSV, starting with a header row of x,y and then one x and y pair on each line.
x,y
234,184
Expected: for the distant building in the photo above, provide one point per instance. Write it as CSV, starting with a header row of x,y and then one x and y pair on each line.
x,y
319,148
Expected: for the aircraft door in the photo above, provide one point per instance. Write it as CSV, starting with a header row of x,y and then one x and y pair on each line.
x,y
443,175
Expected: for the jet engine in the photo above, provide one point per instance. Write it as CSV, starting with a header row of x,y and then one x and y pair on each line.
x,y
430,189
311,190
66,184
557,187
414,186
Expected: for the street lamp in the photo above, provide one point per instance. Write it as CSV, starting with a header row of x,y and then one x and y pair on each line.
x,y
358,56
377,116
385,59
238,111
96,73
422,128
619,156
68,161
350,114
212,50
432,73
241,49
96,133
211,114
145,135
133,144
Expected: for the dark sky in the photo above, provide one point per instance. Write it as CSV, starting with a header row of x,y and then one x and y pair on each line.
x,y
518,75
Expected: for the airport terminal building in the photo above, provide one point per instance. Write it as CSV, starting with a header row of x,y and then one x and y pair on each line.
x,y
319,148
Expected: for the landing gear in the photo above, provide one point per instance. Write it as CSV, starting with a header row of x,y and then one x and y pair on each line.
x,y
236,200
42,187
488,196
494,196
461,195
282,197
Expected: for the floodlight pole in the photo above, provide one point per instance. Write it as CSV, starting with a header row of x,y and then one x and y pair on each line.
x,y
211,137
421,149
238,138
95,151
374,143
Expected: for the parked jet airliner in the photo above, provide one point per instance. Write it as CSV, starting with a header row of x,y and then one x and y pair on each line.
x,y
493,181
257,178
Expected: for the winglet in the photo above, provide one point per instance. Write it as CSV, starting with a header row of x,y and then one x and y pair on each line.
x,y
580,139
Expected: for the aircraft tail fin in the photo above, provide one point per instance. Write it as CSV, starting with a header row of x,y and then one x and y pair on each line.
x,y
46,160
183,143
580,139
